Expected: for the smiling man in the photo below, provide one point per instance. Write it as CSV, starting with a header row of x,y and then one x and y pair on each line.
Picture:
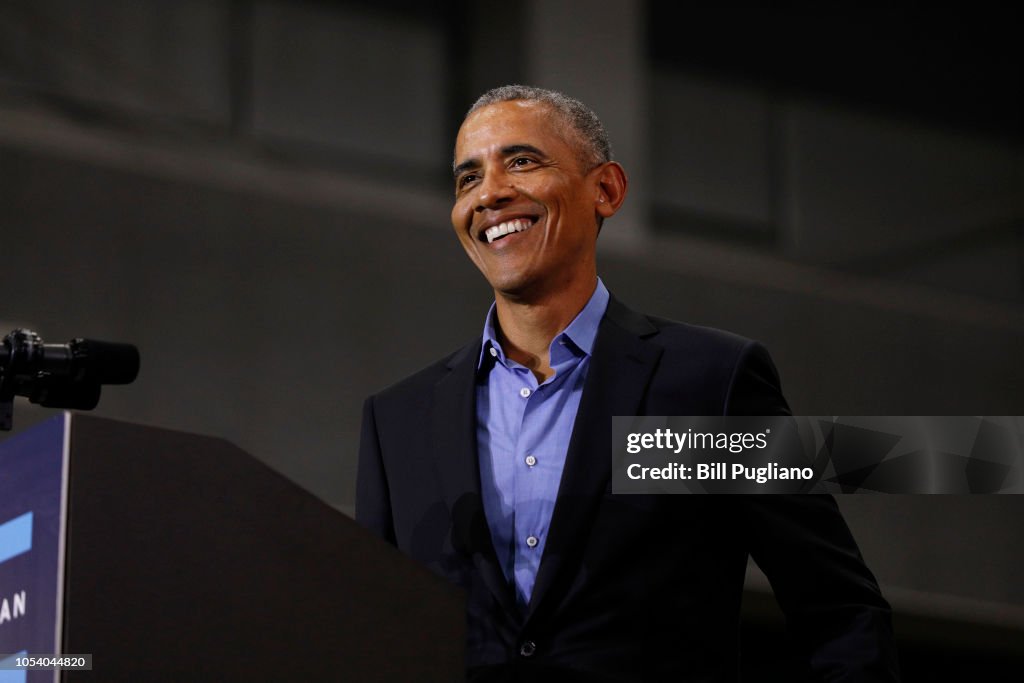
x,y
529,195
493,466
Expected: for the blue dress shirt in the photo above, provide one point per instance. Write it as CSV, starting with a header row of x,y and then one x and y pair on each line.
x,y
523,431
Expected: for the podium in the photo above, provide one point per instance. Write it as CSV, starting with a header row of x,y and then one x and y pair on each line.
x,y
169,556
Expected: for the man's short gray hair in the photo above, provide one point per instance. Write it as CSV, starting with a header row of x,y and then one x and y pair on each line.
x,y
594,147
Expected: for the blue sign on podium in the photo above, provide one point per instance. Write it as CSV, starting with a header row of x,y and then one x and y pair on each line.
x,y
33,496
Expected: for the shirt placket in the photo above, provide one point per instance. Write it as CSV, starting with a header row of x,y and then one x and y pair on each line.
x,y
526,531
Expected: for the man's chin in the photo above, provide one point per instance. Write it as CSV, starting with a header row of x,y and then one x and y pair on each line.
x,y
511,291
513,287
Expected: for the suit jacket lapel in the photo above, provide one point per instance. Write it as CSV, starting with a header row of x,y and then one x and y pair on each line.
x,y
620,369
453,432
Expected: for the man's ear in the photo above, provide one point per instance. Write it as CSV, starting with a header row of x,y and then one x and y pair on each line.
x,y
611,188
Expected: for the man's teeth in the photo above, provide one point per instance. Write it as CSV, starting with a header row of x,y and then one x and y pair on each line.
x,y
516,225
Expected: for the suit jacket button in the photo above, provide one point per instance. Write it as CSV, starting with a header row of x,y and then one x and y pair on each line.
x,y
527,648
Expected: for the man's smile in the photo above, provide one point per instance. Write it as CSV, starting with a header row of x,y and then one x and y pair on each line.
x,y
501,227
496,232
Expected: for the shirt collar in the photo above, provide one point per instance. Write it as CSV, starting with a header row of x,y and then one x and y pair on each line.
x,y
582,331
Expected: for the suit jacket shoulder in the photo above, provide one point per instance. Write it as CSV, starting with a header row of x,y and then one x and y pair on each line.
x,y
428,376
703,370
405,404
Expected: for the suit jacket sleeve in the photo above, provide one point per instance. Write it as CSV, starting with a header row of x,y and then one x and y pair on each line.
x,y
833,606
373,500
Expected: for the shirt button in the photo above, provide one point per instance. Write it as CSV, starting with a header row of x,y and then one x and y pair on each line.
x,y
531,461
524,392
494,352
527,648
531,541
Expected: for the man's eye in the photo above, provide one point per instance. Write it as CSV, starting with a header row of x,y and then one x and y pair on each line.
x,y
466,180
521,161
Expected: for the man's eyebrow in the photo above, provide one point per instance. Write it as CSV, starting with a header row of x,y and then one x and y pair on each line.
x,y
465,166
519,149
511,150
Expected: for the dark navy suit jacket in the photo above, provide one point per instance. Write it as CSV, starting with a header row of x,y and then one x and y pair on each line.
x,y
630,587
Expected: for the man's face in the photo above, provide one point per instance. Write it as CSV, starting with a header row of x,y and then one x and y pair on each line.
x,y
524,208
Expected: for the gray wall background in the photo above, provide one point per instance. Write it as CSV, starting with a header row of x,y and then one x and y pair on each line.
x,y
256,194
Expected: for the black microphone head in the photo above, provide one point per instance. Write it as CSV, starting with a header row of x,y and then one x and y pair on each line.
x,y
107,362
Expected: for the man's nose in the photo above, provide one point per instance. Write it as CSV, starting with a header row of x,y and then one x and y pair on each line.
x,y
496,189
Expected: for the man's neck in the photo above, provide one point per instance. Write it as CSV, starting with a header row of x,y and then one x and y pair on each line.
x,y
526,326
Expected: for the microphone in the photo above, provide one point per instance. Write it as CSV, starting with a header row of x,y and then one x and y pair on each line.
x,y
60,375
